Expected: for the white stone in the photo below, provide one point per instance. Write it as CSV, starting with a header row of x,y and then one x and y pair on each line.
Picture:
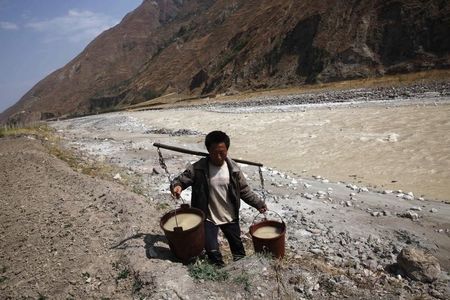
x,y
348,203
408,197
387,192
352,186
416,208
306,185
117,177
308,196
433,210
321,194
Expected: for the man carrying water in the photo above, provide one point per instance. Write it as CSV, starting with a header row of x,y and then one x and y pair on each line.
x,y
218,184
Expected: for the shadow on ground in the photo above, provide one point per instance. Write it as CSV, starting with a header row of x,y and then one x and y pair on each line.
x,y
156,246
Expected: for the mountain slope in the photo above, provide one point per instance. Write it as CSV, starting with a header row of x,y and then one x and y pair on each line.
x,y
206,46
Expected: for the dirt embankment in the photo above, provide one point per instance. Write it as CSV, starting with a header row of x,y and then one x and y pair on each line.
x,y
58,227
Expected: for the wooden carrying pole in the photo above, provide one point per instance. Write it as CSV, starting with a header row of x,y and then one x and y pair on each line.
x,y
198,153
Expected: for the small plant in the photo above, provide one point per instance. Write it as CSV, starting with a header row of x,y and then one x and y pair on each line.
x,y
41,297
123,274
137,284
137,190
244,280
3,279
201,269
162,206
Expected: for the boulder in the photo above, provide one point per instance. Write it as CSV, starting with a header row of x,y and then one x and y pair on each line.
x,y
419,265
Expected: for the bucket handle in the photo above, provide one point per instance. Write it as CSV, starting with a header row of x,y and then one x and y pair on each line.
x,y
265,217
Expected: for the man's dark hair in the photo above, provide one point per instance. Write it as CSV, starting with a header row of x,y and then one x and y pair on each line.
x,y
217,137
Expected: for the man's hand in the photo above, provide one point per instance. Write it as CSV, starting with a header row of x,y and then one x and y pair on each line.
x,y
263,209
176,191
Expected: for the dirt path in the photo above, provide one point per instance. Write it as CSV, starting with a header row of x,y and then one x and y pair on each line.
x,y
58,226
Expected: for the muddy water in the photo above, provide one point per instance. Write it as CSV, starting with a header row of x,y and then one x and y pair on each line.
x,y
186,221
267,232
384,147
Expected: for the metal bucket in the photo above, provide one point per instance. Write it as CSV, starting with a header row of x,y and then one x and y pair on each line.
x,y
185,244
274,245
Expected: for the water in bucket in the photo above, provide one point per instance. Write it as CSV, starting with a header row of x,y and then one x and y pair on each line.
x,y
186,240
267,232
185,221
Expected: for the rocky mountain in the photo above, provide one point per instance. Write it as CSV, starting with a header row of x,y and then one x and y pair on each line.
x,y
202,47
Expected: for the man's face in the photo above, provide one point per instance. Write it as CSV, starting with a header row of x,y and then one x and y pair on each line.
x,y
218,153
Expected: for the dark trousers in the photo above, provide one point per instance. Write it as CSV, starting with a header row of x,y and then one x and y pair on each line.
x,y
232,232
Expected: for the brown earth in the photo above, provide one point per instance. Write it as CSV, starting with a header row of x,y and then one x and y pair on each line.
x,y
206,47
58,227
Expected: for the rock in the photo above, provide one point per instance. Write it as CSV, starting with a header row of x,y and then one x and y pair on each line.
x,y
156,171
433,210
352,187
419,265
407,197
387,192
316,251
410,215
321,194
117,177
375,214
308,196
416,208
363,189
306,185
348,203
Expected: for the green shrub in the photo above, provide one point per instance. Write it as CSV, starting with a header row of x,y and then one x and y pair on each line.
x,y
203,270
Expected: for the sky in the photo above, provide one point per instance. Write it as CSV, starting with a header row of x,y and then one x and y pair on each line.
x,y
38,37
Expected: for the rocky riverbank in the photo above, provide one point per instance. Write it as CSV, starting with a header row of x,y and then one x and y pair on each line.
x,y
101,237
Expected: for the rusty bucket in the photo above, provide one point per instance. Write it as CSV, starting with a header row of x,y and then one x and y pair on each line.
x,y
268,236
185,242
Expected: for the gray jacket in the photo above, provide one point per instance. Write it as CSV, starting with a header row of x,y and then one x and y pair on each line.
x,y
197,176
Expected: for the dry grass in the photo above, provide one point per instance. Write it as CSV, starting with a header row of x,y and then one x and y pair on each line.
x,y
38,130
76,161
